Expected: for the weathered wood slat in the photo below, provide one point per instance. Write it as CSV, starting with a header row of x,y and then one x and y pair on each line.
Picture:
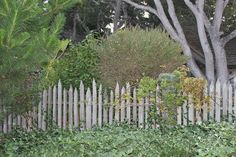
x,y
82,102
44,109
59,116
205,105
70,113
218,102
39,115
225,99
134,106
146,110
88,109
117,103
105,108
64,109
128,103
54,110
122,106
76,110
111,105
95,114
100,106
49,103
212,101
179,115
185,112
191,116
141,113
230,109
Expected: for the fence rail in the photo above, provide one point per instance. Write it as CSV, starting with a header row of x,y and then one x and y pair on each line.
x,y
82,108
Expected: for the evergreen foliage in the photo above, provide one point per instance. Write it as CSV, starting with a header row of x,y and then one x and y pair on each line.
x,y
29,36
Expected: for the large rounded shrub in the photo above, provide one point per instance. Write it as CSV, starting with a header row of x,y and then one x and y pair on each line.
x,y
131,53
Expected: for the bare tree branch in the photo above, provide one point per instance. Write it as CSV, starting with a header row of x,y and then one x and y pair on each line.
x,y
229,37
117,14
220,5
142,7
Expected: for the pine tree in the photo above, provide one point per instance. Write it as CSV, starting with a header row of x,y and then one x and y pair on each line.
x,y
29,37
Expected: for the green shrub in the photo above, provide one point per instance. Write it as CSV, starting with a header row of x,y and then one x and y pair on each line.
x,y
131,53
79,62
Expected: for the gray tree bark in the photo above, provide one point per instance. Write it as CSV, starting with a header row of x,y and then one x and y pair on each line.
x,y
216,68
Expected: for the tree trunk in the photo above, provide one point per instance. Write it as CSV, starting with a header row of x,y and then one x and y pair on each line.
x,y
117,14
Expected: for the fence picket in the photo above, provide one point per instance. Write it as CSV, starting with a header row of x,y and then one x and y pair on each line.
x,y
49,110
70,108
134,106
230,109
111,107
205,105
234,108
117,102
4,121
179,115
146,111
76,115
18,122
191,118
105,106
122,106
44,107
95,114
88,109
64,108
9,124
59,118
185,112
141,113
218,101
128,110
225,99
100,106
212,95
81,110
39,115
54,110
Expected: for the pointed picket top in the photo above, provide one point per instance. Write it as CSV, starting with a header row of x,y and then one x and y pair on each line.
x,y
59,83
64,108
117,90
81,85
88,109
94,104
82,107
88,94
100,106
128,109
123,91
76,110
122,116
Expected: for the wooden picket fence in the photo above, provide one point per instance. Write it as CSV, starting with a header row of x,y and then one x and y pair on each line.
x,y
83,109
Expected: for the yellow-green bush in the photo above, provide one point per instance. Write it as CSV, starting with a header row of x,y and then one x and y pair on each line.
x,y
131,53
